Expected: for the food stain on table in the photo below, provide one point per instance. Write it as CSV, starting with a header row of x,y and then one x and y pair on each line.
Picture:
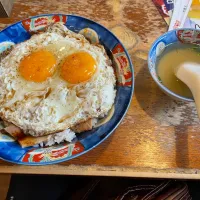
x,y
126,36
142,54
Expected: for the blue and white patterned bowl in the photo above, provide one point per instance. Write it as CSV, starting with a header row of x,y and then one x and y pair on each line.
x,y
10,150
189,36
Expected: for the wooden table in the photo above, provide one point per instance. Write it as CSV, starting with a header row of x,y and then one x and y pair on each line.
x,y
159,137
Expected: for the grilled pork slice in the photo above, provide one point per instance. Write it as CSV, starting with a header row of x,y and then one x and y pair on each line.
x,y
84,126
27,140
24,140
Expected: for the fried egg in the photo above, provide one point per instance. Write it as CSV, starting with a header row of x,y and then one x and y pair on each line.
x,y
55,80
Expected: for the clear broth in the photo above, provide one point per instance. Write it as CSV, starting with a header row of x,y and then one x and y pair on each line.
x,y
171,57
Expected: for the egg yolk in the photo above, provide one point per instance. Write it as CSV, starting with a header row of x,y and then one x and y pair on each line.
x,y
38,66
78,67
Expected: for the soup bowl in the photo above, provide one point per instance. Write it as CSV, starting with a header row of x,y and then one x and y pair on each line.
x,y
186,36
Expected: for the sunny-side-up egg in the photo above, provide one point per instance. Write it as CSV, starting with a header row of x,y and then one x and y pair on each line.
x,y
54,81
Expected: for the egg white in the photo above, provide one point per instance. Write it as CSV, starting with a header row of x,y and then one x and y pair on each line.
x,y
54,105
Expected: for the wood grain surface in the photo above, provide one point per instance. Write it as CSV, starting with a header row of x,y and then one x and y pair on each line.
x,y
159,137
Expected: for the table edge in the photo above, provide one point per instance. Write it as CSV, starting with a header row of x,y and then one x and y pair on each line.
x,y
95,170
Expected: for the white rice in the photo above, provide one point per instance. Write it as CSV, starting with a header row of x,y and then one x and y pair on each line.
x,y
66,135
